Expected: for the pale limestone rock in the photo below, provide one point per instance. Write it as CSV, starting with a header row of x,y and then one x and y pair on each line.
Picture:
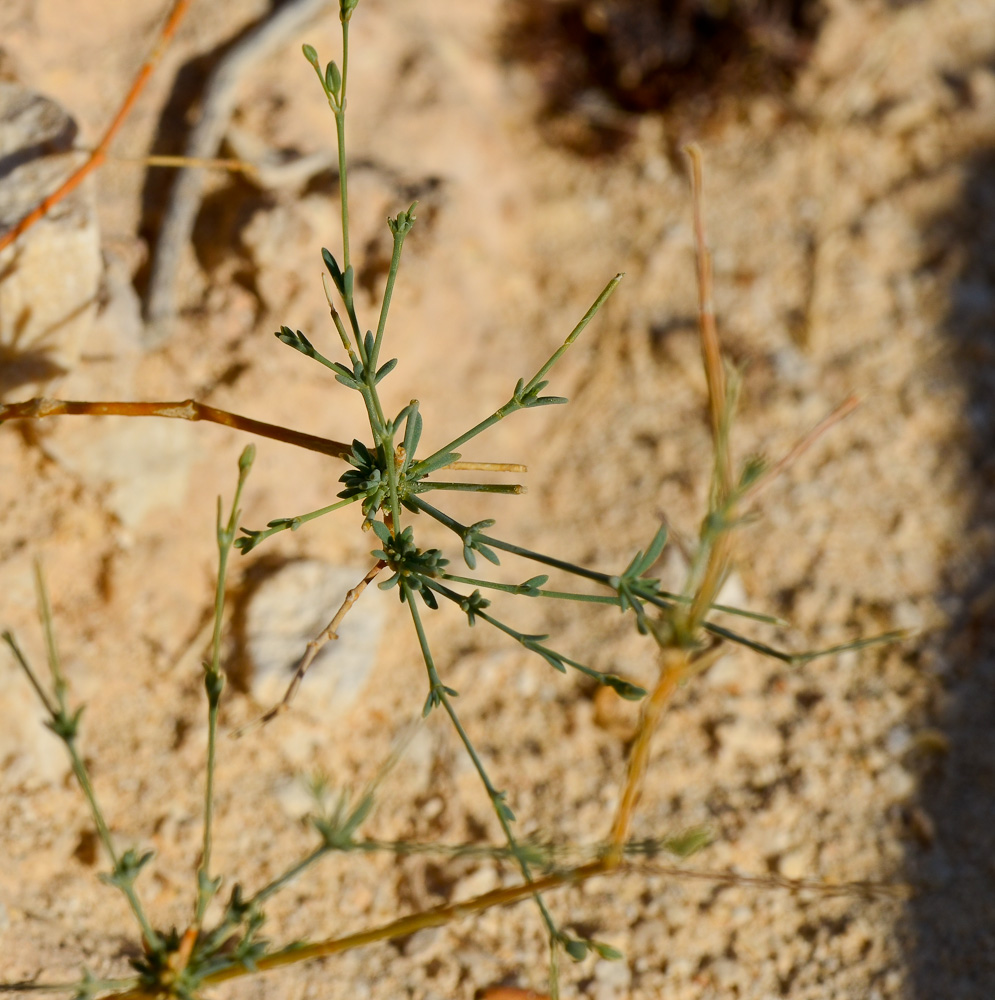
x,y
50,276
291,608
31,756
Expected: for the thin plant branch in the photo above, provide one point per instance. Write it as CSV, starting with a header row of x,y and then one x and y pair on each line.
x,y
187,409
214,684
327,634
64,723
838,413
439,694
99,154
710,350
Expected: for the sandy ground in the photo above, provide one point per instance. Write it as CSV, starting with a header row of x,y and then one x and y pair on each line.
x,y
853,235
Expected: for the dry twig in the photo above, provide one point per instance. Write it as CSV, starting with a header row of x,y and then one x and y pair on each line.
x,y
99,154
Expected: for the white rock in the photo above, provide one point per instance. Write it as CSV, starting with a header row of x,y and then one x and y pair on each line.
x,y
50,276
142,464
295,798
614,974
291,608
797,863
137,465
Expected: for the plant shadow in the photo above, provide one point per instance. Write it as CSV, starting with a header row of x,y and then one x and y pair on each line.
x,y
950,925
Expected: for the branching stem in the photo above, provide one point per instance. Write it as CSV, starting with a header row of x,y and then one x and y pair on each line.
x,y
439,694
214,683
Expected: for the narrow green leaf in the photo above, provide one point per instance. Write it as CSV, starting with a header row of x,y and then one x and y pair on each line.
x,y
488,554
385,369
623,688
333,78
412,430
333,267
296,340
503,808
689,842
654,551
575,948
434,464
606,951
341,369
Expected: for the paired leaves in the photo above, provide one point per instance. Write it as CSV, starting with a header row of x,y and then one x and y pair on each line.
x,y
472,544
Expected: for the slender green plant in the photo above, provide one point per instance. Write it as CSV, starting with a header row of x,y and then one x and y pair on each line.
x,y
391,480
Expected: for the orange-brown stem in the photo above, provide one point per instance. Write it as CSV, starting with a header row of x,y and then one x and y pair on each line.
x,y
710,350
97,157
188,409
803,444
436,917
672,669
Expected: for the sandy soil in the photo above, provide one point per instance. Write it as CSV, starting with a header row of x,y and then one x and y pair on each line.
x,y
853,235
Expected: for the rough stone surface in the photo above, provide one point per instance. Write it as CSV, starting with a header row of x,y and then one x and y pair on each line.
x,y
852,235
50,278
288,610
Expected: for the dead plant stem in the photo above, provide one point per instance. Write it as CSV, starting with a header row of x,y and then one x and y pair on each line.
x,y
99,154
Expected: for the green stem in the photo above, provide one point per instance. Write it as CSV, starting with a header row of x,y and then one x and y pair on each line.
x,y
664,600
64,725
338,106
253,537
395,261
538,557
214,682
576,331
516,588
441,694
516,402
513,489
340,136
289,875
418,468
68,735
461,530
